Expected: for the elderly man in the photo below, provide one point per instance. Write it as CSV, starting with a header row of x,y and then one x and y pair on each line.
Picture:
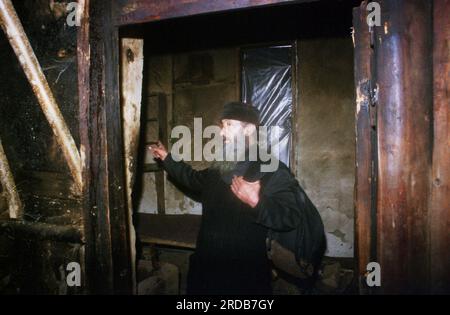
x,y
230,256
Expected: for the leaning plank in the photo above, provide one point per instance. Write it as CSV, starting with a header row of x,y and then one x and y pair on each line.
x,y
9,187
132,65
19,41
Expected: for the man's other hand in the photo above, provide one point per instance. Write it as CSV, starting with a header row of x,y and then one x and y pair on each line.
x,y
158,151
247,192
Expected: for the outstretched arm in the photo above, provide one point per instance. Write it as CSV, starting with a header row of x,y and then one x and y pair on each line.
x,y
181,172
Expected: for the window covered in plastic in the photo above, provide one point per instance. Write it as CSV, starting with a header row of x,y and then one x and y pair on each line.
x,y
267,84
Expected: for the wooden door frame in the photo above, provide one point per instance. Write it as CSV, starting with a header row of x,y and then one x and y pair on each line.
x,y
107,265
107,252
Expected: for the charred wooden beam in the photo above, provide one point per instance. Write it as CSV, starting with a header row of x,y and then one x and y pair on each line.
x,y
142,11
440,180
132,66
95,274
404,77
365,240
19,41
108,261
10,191
41,231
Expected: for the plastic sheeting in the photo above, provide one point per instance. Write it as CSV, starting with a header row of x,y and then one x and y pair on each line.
x,y
267,84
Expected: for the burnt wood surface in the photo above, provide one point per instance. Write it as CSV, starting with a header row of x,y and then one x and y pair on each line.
x,y
141,11
40,231
364,238
108,251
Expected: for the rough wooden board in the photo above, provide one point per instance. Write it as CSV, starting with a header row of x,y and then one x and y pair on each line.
x,y
41,231
9,187
364,241
139,11
108,253
132,64
171,230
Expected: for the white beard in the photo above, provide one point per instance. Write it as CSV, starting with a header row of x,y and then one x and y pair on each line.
x,y
229,162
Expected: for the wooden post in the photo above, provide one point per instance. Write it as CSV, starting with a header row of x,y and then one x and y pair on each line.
x,y
132,61
365,238
90,278
18,39
403,52
108,257
9,187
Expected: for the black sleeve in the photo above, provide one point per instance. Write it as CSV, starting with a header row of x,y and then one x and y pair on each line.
x,y
184,175
277,208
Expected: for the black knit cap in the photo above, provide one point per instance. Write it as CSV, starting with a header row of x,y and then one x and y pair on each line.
x,y
240,111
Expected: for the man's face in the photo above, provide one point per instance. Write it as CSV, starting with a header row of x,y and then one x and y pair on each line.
x,y
231,129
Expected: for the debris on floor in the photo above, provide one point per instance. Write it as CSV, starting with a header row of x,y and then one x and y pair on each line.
x,y
163,280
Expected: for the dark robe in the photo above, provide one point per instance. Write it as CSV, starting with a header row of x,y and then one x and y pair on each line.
x,y
230,256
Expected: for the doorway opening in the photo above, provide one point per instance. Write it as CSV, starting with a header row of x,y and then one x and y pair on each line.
x,y
191,67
